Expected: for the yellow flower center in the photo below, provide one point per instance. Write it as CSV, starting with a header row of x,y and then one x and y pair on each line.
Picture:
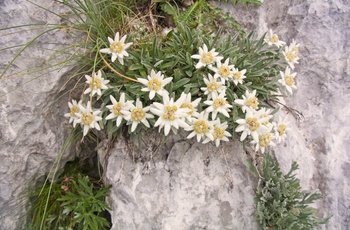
x,y
265,115
219,102
289,80
188,105
74,109
154,84
290,56
170,113
117,47
224,71
201,127
265,140
137,114
219,133
87,118
212,86
117,108
253,123
274,38
95,83
295,49
253,102
237,75
207,57
282,129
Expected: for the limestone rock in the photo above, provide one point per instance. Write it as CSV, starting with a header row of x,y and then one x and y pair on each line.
x,y
194,186
31,115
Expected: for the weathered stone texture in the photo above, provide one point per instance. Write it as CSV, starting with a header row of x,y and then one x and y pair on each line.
x,y
31,115
180,190
196,187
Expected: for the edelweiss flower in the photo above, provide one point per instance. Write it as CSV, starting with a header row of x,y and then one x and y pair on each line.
x,y
190,105
273,40
249,101
291,54
219,104
265,140
117,48
224,71
117,108
88,117
155,84
206,58
287,80
280,129
137,114
170,114
265,113
238,76
96,83
214,87
201,127
220,133
73,112
251,125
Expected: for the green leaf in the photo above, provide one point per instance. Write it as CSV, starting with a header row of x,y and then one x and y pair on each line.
x,y
180,83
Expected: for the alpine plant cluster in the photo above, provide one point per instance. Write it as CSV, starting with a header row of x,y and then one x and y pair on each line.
x,y
204,117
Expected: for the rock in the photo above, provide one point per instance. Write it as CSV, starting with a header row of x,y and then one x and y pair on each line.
x,y
318,141
185,186
31,115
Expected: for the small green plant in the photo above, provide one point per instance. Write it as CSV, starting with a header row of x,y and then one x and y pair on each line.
x,y
73,202
281,205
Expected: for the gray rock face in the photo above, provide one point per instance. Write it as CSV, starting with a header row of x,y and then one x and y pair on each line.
x,y
187,185
174,195
196,187
31,115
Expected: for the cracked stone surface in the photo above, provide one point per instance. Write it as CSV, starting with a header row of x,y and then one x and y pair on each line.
x,y
188,185
195,187
31,115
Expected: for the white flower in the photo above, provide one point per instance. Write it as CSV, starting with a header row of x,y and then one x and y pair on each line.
x,y
252,125
88,118
265,140
170,114
206,58
202,127
137,114
190,105
155,84
214,87
73,112
249,101
117,108
291,54
272,39
288,80
219,104
96,83
238,76
265,113
280,128
224,71
220,133
117,48
295,48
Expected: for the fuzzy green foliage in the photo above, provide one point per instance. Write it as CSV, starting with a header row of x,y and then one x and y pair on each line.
x,y
281,205
74,202
201,14
172,55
